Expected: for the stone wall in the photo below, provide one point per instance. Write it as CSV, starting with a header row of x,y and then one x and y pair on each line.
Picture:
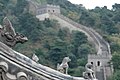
x,y
42,9
48,9
99,60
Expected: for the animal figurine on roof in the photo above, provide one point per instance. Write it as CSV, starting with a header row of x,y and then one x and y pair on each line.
x,y
35,58
8,35
63,67
89,73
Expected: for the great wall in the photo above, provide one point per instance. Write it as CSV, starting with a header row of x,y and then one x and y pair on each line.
x,y
27,69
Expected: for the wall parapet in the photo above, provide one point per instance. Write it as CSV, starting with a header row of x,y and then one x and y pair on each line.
x,y
94,56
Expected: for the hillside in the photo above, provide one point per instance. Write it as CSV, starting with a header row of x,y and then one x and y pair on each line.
x,y
104,21
51,42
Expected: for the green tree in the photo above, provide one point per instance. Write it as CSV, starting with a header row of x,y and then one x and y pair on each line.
x,y
84,50
116,61
115,47
58,51
116,7
87,19
62,33
20,7
116,75
78,38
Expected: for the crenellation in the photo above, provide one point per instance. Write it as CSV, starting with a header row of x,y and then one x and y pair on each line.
x,y
42,9
94,56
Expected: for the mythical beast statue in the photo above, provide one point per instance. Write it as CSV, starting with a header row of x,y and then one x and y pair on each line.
x,y
89,73
63,67
8,35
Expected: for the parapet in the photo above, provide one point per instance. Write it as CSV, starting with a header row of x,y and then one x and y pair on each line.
x,y
47,8
94,56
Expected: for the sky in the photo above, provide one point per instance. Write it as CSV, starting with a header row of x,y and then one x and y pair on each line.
x,y
91,4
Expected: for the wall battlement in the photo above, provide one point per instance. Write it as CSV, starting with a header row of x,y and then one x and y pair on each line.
x,y
42,9
37,9
48,5
94,56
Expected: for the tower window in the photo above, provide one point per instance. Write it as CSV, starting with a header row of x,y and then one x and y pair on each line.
x,y
91,62
98,63
48,10
53,10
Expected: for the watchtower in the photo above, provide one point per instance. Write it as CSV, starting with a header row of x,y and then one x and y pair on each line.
x,y
101,64
42,9
99,60
37,9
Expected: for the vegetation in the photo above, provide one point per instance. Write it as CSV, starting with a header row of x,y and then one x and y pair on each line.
x,y
103,20
51,42
47,39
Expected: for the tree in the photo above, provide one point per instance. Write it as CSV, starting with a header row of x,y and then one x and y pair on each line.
x,y
78,38
116,75
20,8
108,25
83,51
116,7
115,47
63,32
87,19
116,61
58,51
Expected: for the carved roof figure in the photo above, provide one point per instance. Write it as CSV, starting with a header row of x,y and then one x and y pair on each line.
x,y
35,58
8,35
1,27
64,65
89,73
8,26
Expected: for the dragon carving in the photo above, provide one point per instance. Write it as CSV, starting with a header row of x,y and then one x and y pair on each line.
x,y
89,73
8,35
63,67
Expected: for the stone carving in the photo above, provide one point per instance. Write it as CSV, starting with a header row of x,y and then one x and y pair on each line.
x,y
4,75
3,70
8,34
89,73
22,76
63,67
35,58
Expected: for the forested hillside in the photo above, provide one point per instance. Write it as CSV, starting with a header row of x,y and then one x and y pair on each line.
x,y
47,39
52,43
104,21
